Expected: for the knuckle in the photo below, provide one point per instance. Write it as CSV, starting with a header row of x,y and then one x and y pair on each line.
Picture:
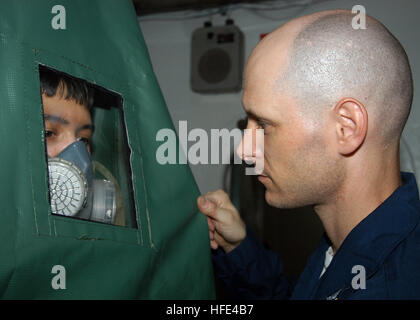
x,y
209,193
222,195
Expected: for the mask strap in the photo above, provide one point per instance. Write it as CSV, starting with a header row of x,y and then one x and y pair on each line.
x,y
120,215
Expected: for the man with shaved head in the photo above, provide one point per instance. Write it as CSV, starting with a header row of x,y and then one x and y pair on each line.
x,y
333,102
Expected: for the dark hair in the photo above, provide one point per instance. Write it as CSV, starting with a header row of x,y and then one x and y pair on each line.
x,y
55,82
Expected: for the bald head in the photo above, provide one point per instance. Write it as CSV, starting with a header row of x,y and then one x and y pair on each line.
x,y
325,60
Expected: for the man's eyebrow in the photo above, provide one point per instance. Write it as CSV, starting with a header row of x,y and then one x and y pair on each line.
x,y
53,118
86,127
255,116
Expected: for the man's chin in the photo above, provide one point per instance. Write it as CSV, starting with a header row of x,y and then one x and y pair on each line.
x,y
276,200
272,198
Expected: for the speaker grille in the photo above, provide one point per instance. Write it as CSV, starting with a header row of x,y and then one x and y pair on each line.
x,y
214,65
216,59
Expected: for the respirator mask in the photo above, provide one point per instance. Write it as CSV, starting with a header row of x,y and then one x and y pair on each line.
x,y
74,192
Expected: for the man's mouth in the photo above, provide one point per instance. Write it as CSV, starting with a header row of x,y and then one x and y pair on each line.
x,y
262,178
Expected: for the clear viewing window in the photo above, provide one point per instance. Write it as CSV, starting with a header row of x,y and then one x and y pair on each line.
x,y
87,151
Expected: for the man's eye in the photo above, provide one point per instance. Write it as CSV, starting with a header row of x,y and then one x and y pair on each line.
x,y
49,133
262,125
86,141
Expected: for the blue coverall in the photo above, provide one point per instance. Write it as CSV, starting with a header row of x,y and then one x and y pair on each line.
x,y
384,248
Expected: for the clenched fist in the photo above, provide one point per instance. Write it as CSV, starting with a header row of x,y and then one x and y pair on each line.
x,y
226,228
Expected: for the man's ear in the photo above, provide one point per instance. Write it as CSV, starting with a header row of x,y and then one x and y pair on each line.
x,y
351,125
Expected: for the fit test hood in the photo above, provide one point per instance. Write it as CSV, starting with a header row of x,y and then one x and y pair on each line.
x,y
166,255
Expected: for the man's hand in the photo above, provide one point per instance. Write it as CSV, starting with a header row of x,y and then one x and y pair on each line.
x,y
226,227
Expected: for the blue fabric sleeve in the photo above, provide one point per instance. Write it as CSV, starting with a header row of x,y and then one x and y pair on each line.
x,y
251,272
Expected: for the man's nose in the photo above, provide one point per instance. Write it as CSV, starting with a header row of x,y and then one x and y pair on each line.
x,y
246,150
64,143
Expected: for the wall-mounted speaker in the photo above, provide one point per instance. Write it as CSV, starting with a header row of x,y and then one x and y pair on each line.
x,y
217,58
